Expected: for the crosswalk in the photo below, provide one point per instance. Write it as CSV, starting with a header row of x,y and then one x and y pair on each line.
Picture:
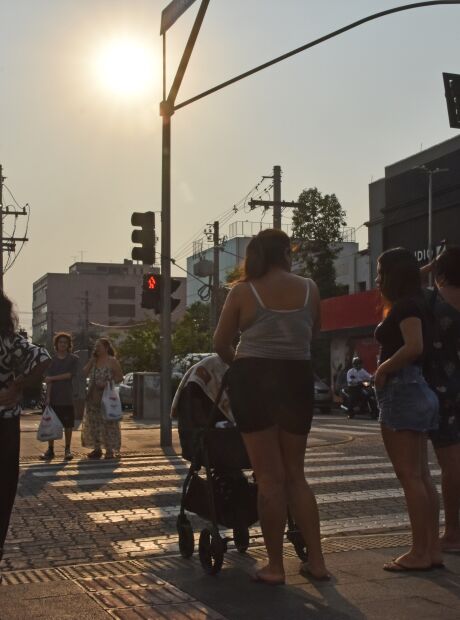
x,y
134,502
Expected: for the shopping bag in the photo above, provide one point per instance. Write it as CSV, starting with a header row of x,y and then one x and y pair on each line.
x,y
111,403
50,427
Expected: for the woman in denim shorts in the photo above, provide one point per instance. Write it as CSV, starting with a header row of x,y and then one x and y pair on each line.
x,y
408,407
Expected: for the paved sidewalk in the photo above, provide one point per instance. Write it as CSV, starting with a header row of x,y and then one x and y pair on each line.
x,y
177,589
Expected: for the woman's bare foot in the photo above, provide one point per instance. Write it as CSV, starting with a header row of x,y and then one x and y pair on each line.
x,y
411,560
317,571
269,576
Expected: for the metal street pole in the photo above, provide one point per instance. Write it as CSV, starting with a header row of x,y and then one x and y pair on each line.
x,y
277,197
215,276
166,112
1,228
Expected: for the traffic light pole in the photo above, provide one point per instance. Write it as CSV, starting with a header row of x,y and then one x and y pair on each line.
x,y
166,111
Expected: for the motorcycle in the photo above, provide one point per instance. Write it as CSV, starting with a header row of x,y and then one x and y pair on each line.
x,y
360,398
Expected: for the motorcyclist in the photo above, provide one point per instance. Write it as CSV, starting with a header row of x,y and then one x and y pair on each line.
x,y
357,374
355,378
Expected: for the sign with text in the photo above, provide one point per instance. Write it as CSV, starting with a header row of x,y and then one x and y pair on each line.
x,y
172,13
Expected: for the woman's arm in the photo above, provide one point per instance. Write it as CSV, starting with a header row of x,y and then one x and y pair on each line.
x,y
117,372
227,327
411,330
62,377
88,366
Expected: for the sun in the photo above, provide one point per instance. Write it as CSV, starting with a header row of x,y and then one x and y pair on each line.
x,y
125,67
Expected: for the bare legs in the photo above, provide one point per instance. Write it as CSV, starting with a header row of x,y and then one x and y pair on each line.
x,y
278,461
408,454
449,461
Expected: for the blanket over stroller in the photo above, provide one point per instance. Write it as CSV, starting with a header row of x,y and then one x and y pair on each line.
x,y
208,374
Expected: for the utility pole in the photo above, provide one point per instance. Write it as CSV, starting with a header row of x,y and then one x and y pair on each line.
x,y
277,197
86,326
215,278
276,203
7,244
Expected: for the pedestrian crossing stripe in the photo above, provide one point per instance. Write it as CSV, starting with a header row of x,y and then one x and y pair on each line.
x,y
374,429
185,467
335,457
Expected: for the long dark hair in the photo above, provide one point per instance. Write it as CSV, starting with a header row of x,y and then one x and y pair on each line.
x,y
269,248
8,317
400,276
108,346
447,265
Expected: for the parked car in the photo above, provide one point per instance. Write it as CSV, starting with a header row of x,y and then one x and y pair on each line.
x,y
125,390
323,396
180,365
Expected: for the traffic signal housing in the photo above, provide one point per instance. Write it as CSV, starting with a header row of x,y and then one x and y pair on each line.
x,y
452,89
145,237
152,285
175,283
151,292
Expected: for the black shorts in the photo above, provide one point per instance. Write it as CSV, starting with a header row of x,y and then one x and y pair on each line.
x,y
267,392
66,414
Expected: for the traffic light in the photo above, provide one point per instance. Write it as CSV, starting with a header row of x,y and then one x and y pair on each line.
x,y
145,237
151,292
452,88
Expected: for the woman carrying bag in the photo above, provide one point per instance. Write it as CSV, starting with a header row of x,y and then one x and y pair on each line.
x,y
98,431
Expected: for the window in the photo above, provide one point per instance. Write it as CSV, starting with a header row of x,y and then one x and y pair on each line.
x,y
122,310
122,292
361,287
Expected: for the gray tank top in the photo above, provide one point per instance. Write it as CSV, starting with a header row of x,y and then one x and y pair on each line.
x,y
278,334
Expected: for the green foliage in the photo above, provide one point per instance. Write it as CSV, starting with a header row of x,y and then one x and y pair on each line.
x,y
192,333
317,226
140,349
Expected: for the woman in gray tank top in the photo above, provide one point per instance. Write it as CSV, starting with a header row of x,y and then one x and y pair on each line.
x,y
271,391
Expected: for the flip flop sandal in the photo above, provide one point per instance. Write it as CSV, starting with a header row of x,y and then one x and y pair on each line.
x,y
397,567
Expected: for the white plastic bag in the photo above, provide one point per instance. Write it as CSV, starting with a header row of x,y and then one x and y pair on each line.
x,y
50,427
111,404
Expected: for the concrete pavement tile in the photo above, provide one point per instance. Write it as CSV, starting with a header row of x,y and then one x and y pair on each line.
x,y
48,601
407,608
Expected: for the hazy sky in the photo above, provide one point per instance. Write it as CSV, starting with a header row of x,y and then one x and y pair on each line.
x,y
85,156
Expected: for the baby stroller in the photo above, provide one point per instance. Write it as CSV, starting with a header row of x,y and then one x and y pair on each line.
x,y
225,496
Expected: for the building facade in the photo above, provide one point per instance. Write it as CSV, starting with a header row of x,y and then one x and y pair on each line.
x,y
92,299
398,203
351,264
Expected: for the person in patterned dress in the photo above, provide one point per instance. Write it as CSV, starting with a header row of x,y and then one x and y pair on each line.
x,y
444,377
97,432
21,364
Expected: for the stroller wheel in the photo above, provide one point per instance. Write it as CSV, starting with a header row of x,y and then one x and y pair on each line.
x,y
296,539
211,550
241,538
186,539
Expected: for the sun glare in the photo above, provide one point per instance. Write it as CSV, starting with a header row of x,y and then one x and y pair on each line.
x,y
125,67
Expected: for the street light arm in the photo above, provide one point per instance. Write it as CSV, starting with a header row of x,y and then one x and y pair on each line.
x,y
335,33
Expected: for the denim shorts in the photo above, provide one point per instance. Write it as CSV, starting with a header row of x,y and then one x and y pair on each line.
x,y
406,402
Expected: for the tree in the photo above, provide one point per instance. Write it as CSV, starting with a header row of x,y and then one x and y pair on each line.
x,y
192,333
317,227
140,349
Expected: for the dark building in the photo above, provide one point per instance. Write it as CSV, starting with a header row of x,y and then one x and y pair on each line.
x,y
398,203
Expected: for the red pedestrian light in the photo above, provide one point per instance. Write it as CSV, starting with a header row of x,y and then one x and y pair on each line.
x,y
152,282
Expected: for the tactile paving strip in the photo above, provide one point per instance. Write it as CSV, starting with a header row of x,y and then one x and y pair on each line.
x,y
34,575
